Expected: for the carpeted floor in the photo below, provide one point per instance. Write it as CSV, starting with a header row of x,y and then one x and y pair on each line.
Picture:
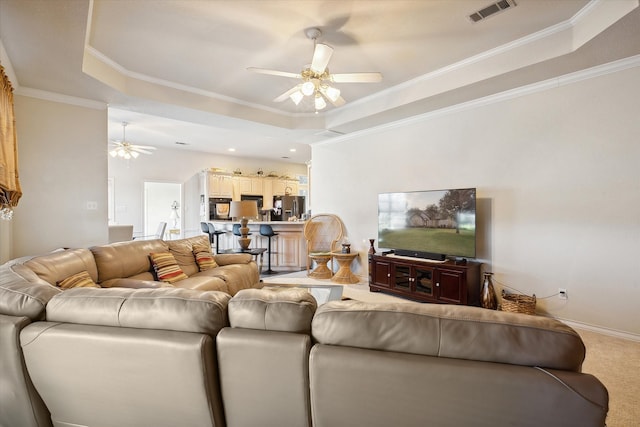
x,y
614,361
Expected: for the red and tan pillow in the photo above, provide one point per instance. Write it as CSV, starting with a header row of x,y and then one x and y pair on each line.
x,y
78,280
166,267
204,257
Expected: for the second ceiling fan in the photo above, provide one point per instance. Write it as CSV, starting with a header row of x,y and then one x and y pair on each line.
x,y
316,78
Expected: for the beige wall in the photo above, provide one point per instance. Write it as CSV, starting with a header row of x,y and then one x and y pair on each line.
x,y
63,166
558,181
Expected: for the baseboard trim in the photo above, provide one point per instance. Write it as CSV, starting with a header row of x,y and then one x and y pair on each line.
x,y
601,330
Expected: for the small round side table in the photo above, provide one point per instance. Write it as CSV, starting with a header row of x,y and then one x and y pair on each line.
x,y
321,271
344,274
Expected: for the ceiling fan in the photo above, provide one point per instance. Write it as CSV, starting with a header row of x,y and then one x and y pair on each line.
x,y
127,150
316,78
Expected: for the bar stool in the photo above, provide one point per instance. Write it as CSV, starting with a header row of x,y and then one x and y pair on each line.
x,y
216,233
267,231
205,229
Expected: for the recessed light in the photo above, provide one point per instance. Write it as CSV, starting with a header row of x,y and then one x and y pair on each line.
x,y
231,149
293,150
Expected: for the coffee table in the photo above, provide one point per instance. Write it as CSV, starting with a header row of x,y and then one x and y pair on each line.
x,y
322,293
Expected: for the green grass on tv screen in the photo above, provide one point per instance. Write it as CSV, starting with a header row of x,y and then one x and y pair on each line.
x,y
437,240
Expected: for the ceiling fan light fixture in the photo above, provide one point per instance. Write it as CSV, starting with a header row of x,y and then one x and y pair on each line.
x,y
296,97
319,102
332,93
308,88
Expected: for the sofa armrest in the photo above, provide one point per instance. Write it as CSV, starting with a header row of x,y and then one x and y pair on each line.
x,y
226,259
23,293
170,309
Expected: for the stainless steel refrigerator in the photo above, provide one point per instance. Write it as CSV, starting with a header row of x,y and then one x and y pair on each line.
x,y
285,207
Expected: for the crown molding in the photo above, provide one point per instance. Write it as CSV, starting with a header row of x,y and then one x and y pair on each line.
x,y
560,39
58,97
567,79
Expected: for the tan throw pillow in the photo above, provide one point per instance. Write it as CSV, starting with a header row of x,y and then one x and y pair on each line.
x,y
78,280
166,267
204,257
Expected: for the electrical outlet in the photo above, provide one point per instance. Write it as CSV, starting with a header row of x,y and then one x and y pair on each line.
x,y
562,293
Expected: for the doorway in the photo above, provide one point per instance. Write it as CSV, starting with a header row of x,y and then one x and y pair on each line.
x,y
163,203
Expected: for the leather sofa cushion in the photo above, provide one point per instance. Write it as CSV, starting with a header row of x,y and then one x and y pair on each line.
x,y
23,293
171,309
182,250
452,331
125,259
236,276
59,265
274,309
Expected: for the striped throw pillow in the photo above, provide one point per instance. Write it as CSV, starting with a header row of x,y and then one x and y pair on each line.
x,y
78,280
204,257
166,267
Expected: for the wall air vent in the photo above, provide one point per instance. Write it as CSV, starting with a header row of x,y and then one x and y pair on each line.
x,y
492,9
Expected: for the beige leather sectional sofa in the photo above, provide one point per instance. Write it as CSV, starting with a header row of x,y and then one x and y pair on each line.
x,y
127,264
270,357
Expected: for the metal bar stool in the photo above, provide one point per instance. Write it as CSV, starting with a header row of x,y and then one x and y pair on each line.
x,y
267,231
216,233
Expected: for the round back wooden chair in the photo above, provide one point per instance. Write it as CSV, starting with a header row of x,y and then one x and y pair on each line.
x,y
323,233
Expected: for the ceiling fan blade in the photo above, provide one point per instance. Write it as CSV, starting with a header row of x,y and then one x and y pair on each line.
x,y
274,72
145,147
141,150
286,95
356,78
338,102
321,56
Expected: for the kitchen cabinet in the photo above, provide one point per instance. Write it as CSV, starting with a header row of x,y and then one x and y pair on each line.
x,y
283,187
289,249
251,186
220,185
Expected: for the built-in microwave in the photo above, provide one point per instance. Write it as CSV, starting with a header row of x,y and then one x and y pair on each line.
x,y
219,209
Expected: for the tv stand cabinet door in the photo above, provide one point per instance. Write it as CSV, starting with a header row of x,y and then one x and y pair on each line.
x,y
451,286
425,285
381,273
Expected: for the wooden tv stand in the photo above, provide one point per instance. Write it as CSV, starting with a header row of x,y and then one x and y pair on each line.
x,y
424,280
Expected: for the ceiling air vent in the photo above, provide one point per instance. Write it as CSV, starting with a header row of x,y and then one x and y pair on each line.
x,y
492,9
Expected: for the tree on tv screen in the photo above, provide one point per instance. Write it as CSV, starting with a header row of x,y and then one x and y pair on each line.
x,y
455,202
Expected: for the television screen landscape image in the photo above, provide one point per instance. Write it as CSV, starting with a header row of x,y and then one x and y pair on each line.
x,y
438,222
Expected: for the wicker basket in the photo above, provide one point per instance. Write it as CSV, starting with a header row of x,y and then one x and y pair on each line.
x,y
516,303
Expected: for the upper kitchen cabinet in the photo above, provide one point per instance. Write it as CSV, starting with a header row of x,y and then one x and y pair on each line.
x,y
283,187
252,186
220,185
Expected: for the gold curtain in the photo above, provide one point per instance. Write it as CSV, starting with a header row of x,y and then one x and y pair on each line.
x,y
10,191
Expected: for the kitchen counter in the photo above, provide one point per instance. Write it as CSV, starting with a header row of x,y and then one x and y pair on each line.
x,y
288,247
229,224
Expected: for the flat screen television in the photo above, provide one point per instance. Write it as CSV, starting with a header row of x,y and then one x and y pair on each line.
x,y
428,224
